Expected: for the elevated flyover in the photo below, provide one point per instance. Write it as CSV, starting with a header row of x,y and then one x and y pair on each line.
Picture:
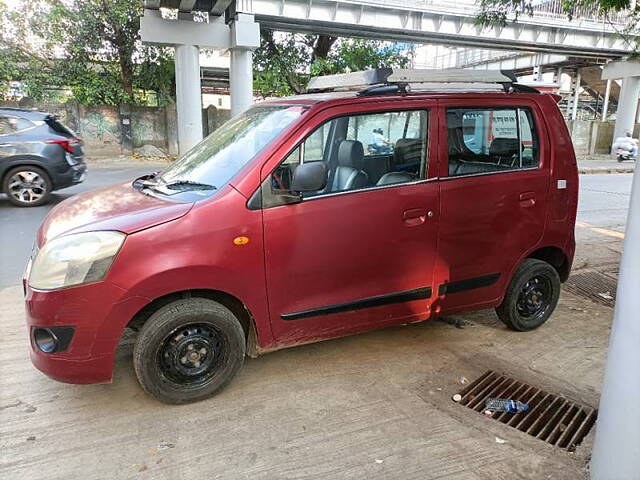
x,y
446,23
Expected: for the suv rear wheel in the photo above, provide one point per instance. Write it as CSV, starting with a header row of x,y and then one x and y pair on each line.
x,y
27,186
188,350
531,297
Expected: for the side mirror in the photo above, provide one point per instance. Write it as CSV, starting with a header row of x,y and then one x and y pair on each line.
x,y
309,177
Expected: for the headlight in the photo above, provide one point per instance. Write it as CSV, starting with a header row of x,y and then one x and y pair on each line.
x,y
74,259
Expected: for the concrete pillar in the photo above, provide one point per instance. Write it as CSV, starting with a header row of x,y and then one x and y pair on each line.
x,y
607,95
627,106
576,97
241,80
616,451
245,36
188,96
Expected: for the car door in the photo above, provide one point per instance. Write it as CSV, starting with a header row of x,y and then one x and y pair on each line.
x,y
494,186
355,256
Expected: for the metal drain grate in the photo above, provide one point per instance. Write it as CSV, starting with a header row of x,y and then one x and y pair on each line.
x,y
596,286
551,418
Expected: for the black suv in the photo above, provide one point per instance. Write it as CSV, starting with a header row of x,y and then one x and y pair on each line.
x,y
38,155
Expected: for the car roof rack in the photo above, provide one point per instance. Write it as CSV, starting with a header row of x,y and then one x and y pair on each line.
x,y
382,81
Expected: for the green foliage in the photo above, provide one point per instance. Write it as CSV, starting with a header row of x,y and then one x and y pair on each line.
x,y
284,63
499,12
91,47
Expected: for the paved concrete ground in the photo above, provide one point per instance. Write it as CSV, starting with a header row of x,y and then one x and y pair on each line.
x,y
375,405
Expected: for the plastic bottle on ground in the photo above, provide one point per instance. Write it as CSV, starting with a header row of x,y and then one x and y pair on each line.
x,y
505,405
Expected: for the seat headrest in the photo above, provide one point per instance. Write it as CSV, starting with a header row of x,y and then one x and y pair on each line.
x,y
504,147
407,149
351,154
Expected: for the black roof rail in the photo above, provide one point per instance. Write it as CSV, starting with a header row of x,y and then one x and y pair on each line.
x,y
383,89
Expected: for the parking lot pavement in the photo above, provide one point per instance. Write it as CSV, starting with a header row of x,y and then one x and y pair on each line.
x,y
376,405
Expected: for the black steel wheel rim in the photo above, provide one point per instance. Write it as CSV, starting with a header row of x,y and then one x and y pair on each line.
x,y
535,298
191,354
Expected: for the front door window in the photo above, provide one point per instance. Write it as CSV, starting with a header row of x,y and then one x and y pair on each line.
x,y
361,152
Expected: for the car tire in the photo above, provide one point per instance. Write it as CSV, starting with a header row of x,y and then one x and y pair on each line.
x,y
188,350
39,186
531,297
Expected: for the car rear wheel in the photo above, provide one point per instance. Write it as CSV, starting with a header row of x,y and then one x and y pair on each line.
x,y
531,297
27,186
188,350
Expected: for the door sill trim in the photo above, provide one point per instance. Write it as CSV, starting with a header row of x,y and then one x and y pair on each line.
x,y
468,284
422,293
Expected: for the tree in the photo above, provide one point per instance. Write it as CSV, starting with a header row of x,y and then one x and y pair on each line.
x,y
499,12
284,62
90,46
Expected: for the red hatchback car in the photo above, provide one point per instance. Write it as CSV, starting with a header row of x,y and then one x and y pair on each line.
x,y
308,218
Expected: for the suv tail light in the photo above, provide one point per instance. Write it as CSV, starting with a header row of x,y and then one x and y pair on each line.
x,y
66,144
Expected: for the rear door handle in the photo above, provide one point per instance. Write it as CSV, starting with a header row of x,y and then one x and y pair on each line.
x,y
527,199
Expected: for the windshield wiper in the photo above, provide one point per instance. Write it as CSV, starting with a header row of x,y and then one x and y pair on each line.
x,y
177,186
185,185
146,180
154,182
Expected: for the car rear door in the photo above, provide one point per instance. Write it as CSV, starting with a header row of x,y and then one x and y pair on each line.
x,y
494,182
342,261
8,139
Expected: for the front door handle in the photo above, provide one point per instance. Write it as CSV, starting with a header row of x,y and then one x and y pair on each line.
x,y
415,216
527,199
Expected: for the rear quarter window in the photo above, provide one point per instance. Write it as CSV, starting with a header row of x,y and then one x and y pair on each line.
x,y
10,124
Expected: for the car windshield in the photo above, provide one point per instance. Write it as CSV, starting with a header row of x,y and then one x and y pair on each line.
x,y
222,154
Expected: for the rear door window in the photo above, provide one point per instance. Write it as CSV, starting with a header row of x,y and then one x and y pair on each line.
x,y
490,140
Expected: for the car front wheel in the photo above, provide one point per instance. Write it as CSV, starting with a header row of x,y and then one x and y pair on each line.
x,y
531,297
188,350
27,186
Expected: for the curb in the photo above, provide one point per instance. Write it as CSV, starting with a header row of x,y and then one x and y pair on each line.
x,y
601,170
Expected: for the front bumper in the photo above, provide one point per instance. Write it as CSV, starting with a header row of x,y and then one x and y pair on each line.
x,y
99,312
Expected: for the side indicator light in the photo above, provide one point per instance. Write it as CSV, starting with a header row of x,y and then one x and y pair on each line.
x,y
240,241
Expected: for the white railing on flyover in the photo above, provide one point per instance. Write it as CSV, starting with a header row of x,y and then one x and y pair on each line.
x,y
545,12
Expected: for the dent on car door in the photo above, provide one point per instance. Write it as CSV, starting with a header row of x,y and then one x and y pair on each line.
x,y
493,198
356,254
